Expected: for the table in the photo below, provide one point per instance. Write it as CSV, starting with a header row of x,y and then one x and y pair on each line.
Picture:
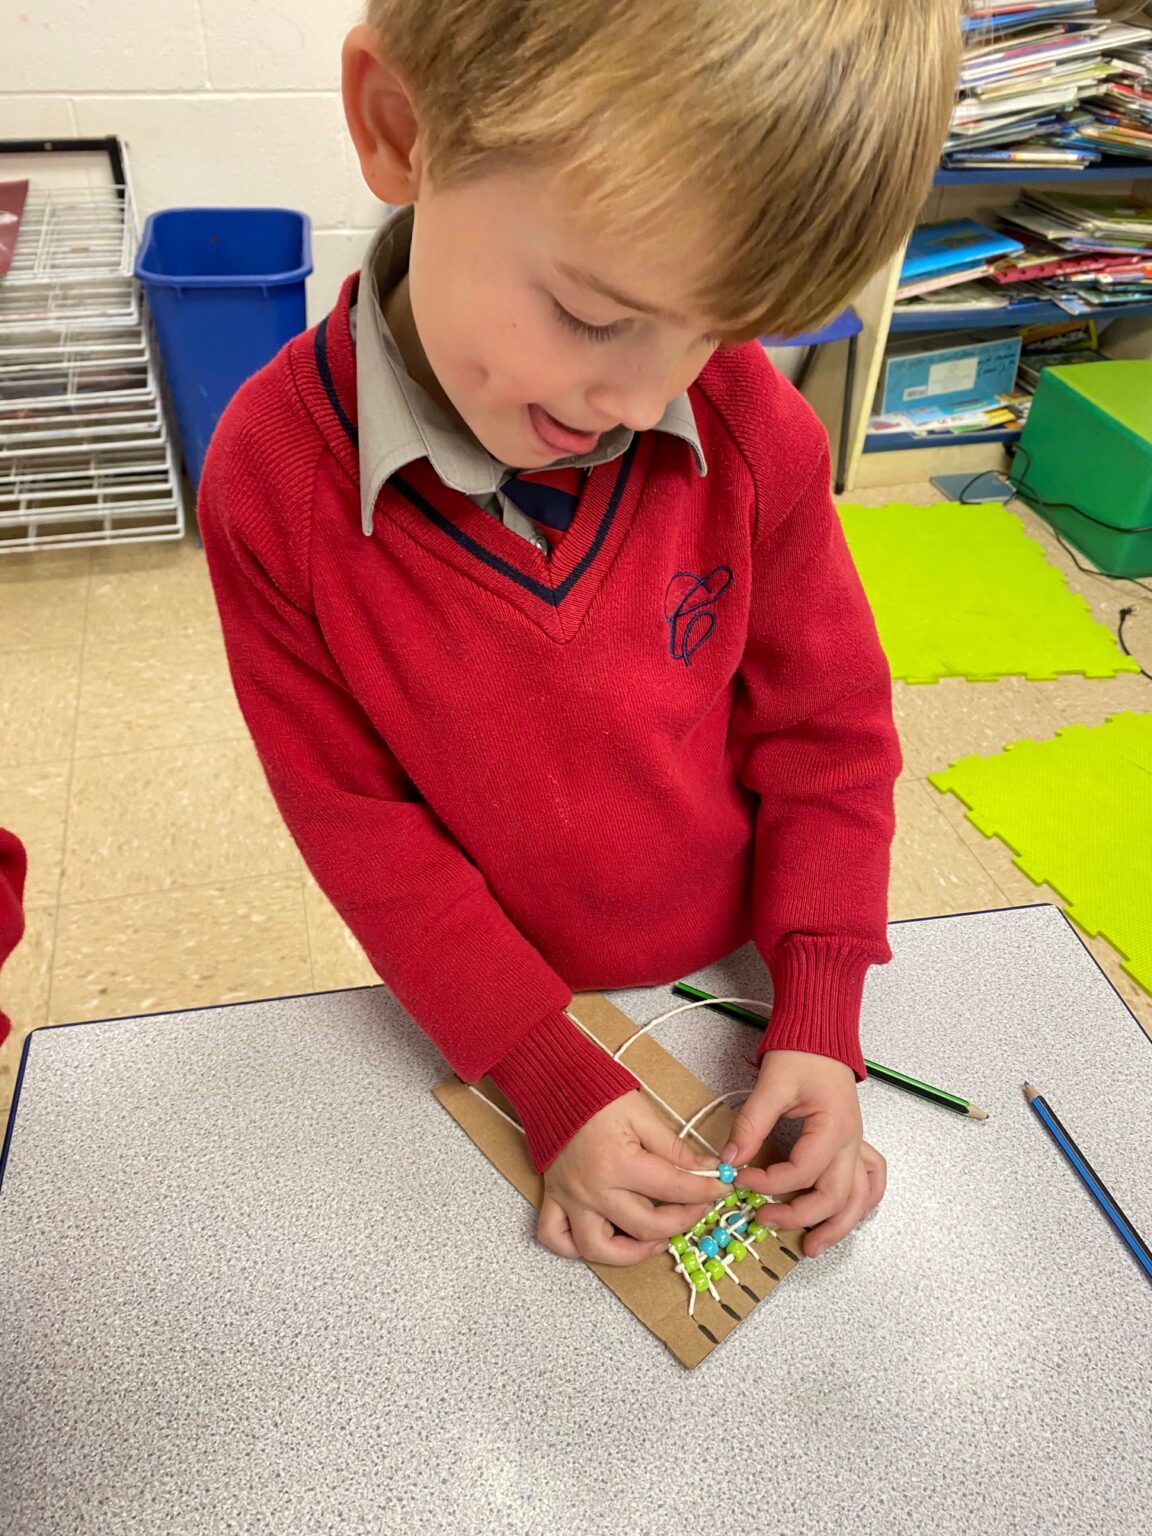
x,y
255,1280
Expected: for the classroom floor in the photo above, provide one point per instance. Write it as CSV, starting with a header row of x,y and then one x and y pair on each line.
x,y
161,876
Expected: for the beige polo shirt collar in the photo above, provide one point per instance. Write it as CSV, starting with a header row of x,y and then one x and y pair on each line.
x,y
400,422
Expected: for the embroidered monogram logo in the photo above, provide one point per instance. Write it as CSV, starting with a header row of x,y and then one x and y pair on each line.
x,y
689,608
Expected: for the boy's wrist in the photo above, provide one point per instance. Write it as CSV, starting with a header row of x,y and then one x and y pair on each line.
x,y
556,1080
818,984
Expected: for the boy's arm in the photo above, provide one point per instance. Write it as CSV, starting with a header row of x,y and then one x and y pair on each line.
x,y
419,907
814,738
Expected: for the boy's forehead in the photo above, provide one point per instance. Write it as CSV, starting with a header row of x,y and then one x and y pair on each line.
x,y
657,265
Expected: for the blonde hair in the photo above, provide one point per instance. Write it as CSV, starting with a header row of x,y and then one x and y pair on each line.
x,y
803,133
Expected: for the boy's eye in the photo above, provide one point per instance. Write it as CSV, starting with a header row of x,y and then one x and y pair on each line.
x,y
582,328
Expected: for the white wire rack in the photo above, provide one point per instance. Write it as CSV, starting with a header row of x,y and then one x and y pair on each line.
x,y
85,453
76,232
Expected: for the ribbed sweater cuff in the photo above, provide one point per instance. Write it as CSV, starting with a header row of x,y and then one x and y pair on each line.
x,y
817,987
557,1080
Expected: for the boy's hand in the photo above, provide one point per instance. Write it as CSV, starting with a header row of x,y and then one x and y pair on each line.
x,y
599,1191
842,1175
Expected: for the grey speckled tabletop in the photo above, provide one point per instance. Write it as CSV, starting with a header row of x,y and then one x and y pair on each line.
x,y
254,1279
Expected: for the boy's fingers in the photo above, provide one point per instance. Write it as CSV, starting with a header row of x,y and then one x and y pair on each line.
x,y
814,1150
853,1213
809,1210
649,1174
596,1241
638,1217
663,1142
752,1124
553,1230
876,1167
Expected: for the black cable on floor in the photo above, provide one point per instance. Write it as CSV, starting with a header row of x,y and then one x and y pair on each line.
x,y
1125,615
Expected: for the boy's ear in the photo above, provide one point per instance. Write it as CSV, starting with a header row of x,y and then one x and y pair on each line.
x,y
381,120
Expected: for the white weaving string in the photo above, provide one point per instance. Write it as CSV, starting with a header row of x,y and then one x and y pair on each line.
x,y
688,1127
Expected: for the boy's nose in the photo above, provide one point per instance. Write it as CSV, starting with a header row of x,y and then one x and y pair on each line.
x,y
638,407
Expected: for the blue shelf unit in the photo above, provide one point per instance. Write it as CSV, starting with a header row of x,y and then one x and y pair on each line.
x,y
1023,175
1039,312
1036,313
899,442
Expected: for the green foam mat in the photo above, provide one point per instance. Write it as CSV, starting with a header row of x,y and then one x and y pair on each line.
x,y
962,591
1077,813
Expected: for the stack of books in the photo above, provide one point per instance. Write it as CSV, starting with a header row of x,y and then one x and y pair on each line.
x,y
1083,253
1063,345
1049,83
1118,118
951,257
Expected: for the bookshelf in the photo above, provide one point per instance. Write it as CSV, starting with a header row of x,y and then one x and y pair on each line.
x,y
894,459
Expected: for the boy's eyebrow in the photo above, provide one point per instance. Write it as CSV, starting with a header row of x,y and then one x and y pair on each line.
x,y
590,280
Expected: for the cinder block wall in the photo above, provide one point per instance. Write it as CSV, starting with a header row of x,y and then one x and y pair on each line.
x,y
219,101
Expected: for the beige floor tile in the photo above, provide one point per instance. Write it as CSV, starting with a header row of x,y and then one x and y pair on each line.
x,y
183,948
993,856
148,821
940,722
933,873
24,996
34,805
42,599
38,692
337,959
150,593
1105,595
156,693
1092,700
919,494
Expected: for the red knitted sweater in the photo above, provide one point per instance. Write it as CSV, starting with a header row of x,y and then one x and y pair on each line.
x,y
515,775
13,867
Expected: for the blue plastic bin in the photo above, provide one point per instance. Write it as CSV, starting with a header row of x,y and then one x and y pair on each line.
x,y
226,290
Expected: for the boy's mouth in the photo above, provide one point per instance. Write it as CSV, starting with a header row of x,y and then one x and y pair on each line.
x,y
557,435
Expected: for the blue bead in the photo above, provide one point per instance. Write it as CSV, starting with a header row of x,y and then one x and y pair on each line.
x,y
726,1173
723,1238
738,1226
709,1247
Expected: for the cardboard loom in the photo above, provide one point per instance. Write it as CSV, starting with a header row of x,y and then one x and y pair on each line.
x,y
652,1291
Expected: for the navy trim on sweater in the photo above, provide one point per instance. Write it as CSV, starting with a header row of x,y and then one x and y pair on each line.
x,y
320,347
554,596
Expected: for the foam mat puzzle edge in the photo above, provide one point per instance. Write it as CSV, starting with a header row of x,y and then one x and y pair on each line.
x,y
926,558
1090,909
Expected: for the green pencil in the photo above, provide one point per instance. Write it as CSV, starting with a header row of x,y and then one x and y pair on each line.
x,y
913,1085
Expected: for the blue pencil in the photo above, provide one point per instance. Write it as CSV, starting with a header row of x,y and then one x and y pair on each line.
x,y
1091,1178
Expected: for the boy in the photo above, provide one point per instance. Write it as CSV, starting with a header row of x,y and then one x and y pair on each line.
x,y
599,726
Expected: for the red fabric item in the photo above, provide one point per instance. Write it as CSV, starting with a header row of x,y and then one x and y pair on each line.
x,y
570,479
13,868
515,775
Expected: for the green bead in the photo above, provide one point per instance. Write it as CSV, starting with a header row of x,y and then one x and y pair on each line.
x,y
712,1218
701,1282
756,1201
730,1201
757,1233
741,1194
737,1251
714,1268
679,1244
690,1263
699,1229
